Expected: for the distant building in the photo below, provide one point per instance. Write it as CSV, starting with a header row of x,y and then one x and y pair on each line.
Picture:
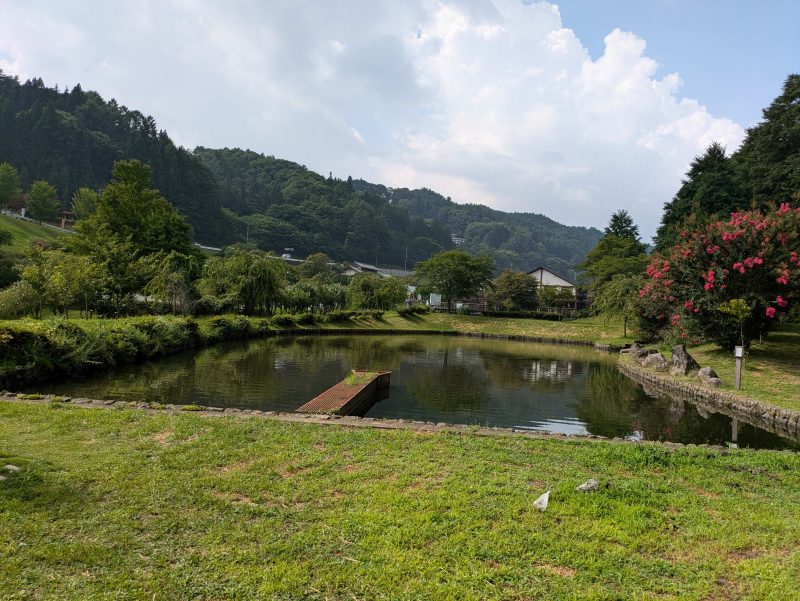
x,y
546,277
358,267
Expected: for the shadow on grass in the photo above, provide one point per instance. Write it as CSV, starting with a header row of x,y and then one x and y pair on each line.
x,y
37,487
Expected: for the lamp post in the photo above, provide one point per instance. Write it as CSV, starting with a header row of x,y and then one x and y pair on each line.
x,y
738,353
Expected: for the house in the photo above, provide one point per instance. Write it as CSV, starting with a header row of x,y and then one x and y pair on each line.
x,y
546,277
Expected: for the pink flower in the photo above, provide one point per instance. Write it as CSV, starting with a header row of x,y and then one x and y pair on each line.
x,y
737,266
708,286
675,319
771,312
758,261
782,302
785,207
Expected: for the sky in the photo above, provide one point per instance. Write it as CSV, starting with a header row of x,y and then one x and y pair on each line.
x,y
572,109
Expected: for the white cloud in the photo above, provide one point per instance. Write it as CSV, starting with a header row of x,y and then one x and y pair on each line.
x,y
493,102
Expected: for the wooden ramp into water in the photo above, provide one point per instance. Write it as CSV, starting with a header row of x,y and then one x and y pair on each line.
x,y
354,395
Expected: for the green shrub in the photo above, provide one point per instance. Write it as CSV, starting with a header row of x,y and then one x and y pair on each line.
x,y
283,321
340,316
306,319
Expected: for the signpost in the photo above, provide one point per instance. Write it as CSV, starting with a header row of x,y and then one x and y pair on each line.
x,y
738,352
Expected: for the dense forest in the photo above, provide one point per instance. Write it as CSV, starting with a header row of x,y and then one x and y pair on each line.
x,y
71,138
515,240
280,204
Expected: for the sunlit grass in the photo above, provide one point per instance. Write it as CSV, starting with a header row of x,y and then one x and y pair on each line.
x,y
121,504
25,232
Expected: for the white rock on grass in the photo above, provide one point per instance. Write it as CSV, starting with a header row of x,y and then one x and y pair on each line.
x,y
2,478
590,485
542,501
10,468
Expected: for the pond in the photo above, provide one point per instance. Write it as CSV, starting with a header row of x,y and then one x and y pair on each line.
x,y
457,380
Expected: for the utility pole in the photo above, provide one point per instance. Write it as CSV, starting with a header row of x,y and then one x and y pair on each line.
x,y
405,264
377,250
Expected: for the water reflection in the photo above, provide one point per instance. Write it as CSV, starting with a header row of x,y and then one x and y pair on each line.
x,y
551,388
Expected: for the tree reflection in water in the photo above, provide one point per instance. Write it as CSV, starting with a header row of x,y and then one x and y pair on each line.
x,y
434,378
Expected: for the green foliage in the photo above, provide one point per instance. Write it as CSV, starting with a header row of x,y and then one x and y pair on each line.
x,y
750,258
84,203
134,211
740,311
18,300
456,274
555,297
9,184
283,204
711,188
371,291
42,203
761,172
768,159
514,240
513,291
619,252
619,297
72,140
243,280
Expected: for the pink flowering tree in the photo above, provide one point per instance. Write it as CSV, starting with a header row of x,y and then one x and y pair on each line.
x,y
752,256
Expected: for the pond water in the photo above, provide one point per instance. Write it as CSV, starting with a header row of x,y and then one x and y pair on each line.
x,y
458,380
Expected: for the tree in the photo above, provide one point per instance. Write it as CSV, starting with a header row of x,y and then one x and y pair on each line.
x,y
621,225
133,210
753,257
9,184
317,266
769,156
172,283
618,298
711,189
456,274
513,291
371,291
618,252
42,202
84,203
243,280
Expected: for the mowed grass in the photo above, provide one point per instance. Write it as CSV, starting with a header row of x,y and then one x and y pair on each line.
x,y
23,233
771,370
118,504
594,329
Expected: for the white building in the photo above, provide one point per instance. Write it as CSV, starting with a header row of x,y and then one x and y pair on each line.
x,y
545,277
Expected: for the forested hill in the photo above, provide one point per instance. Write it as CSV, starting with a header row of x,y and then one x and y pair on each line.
x,y
281,204
515,240
72,138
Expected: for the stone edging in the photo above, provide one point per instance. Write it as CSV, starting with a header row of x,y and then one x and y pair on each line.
x,y
784,422
346,421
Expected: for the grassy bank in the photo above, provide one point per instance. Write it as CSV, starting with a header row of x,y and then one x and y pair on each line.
x,y
31,350
23,233
121,504
772,368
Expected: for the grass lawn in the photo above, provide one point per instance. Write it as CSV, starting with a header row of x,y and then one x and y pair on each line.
x,y
25,232
772,369
120,504
593,329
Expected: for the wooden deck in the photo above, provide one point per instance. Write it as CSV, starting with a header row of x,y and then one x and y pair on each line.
x,y
348,399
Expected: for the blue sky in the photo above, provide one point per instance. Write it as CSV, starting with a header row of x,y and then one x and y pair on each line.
x,y
731,54
572,109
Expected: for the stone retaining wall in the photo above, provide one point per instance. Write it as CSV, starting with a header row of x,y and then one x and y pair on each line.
x,y
341,420
783,422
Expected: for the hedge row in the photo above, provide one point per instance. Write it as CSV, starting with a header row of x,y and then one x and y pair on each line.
x,y
33,350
